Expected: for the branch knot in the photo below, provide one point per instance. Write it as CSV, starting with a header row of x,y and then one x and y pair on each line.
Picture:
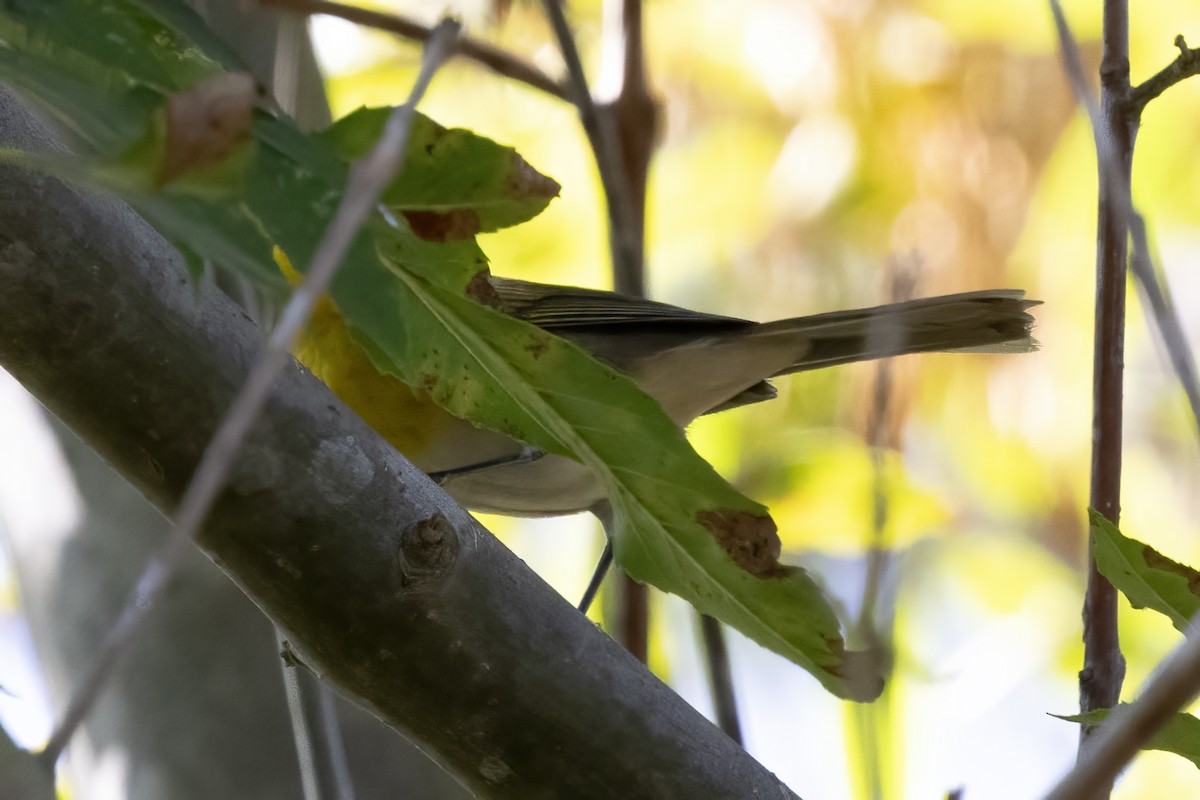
x,y
428,547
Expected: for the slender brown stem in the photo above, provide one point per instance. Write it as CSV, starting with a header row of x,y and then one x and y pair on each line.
x,y
1103,665
720,676
632,112
494,58
625,205
632,601
628,119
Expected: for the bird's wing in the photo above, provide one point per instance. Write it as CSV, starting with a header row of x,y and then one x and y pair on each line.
x,y
557,307
620,329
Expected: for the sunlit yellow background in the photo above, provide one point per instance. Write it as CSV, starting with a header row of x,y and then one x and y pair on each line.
x,y
812,151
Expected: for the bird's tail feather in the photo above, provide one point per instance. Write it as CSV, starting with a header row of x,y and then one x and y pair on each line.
x,y
995,321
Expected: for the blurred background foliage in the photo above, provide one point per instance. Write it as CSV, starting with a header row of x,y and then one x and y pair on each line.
x,y
815,154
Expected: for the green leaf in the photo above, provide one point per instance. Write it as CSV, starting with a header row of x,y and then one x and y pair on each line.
x,y
101,67
455,183
1145,576
1180,736
415,297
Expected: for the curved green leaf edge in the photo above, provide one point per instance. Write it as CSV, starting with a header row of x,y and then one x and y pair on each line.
x,y
455,183
1145,576
1180,736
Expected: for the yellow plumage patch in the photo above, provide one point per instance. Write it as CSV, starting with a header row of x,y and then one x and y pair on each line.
x,y
404,416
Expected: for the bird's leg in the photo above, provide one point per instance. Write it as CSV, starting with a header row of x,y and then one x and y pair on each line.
x,y
527,455
603,512
598,575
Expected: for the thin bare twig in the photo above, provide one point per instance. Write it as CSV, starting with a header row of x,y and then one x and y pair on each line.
x,y
1157,295
605,139
1174,684
494,58
625,103
720,677
1162,311
1185,65
623,117
368,178
1104,666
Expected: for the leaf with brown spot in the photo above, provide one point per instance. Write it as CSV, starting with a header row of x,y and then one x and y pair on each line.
x,y
448,226
480,290
1157,561
206,124
751,540
526,182
537,345
1146,577
457,182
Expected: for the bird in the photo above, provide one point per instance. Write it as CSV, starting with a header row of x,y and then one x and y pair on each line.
x,y
693,363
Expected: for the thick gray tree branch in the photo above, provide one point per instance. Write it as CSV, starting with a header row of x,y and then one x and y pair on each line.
x,y
381,584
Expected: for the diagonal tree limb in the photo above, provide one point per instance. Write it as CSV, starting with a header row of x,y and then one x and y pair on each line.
x,y
366,183
381,584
